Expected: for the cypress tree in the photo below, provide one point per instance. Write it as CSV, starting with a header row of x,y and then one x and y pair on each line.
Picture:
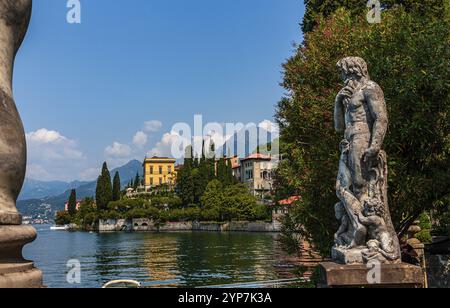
x,y
187,185
211,163
222,171
72,204
230,177
188,157
185,179
136,181
116,187
104,189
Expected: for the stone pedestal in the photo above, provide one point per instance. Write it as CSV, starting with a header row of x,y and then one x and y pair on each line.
x,y
400,275
15,271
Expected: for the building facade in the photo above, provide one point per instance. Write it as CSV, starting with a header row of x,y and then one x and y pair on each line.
x,y
256,171
235,165
159,171
77,207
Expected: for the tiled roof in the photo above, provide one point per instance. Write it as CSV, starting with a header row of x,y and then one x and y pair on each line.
x,y
289,201
257,156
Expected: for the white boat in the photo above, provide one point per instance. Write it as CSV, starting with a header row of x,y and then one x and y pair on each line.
x,y
59,228
122,284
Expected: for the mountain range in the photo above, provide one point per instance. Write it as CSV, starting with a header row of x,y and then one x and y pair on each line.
x,y
40,199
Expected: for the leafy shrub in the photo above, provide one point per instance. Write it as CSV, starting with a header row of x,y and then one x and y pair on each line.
x,y
63,218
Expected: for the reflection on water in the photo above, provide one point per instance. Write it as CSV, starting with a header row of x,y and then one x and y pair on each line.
x,y
178,259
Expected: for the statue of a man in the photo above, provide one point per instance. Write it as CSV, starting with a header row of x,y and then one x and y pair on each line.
x,y
14,19
361,115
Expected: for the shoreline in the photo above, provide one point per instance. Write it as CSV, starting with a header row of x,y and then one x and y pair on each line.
x,y
147,225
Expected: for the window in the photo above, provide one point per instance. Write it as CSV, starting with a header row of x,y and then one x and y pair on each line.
x,y
160,170
151,181
160,181
151,169
169,169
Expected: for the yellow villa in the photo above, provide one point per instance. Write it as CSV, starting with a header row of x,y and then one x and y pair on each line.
x,y
159,171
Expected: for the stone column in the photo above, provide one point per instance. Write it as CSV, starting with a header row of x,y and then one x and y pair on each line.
x,y
15,271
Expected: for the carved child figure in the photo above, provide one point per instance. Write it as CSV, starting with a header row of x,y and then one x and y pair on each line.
x,y
380,239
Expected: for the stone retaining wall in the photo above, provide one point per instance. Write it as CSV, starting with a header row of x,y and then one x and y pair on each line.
x,y
147,225
114,225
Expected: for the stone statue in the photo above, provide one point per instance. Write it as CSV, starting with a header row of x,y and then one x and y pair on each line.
x,y
14,270
366,231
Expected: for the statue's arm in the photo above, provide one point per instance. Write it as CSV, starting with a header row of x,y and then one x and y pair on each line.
x,y
366,221
339,115
377,106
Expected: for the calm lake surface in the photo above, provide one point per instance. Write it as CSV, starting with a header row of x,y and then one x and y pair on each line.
x,y
188,259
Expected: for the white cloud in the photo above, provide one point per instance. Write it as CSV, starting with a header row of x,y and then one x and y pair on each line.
x,y
49,145
164,146
152,126
140,139
118,154
118,150
45,136
52,156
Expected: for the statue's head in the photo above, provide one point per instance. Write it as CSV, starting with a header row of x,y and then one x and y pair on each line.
x,y
353,68
373,207
373,244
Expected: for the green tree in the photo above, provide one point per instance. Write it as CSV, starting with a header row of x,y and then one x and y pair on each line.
x,y
238,203
203,176
86,214
230,177
185,185
213,195
103,194
425,225
212,199
62,218
211,162
116,187
222,171
408,56
72,204
317,9
137,181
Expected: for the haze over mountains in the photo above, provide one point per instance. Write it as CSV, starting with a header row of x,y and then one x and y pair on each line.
x,y
45,198
35,189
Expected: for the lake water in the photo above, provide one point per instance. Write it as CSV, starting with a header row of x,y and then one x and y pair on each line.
x,y
188,259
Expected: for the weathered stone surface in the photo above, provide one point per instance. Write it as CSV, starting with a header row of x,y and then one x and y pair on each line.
x,y
366,232
113,225
20,278
347,256
359,275
15,272
14,19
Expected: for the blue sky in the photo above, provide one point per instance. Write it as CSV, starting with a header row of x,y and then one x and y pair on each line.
x,y
133,68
